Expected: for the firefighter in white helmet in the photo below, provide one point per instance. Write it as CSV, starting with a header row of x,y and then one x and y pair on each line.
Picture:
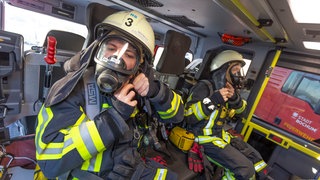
x,y
88,127
210,105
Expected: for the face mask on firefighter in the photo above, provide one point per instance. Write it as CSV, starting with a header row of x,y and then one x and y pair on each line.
x,y
236,73
117,60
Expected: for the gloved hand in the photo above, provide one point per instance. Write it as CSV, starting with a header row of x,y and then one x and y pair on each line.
x,y
154,88
235,101
217,99
160,160
125,164
195,158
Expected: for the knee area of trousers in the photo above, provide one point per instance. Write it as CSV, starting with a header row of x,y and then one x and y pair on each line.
x,y
246,173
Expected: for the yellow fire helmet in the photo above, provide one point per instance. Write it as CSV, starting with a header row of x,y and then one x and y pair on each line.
x,y
224,57
132,24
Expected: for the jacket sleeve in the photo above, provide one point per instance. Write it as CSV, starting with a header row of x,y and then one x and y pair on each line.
x,y
195,109
168,105
66,138
165,102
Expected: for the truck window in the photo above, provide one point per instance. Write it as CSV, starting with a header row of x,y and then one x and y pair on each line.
x,y
308,91
291,82
34,26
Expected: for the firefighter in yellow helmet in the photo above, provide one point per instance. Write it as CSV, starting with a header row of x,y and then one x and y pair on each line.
x,y
88,127
210,105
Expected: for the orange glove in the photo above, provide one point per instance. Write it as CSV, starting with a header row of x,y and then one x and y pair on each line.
x,y
195,159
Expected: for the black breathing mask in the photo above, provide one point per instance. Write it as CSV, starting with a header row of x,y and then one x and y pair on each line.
x,y
223,75
111,68
238,80
219,77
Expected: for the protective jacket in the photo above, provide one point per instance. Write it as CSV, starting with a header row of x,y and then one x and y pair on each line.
x,y
207,124
72,134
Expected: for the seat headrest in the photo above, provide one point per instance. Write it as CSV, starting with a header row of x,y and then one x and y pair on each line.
x,y
66,40
172,60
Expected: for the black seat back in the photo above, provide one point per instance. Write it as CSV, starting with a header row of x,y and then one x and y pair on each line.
x,y
172,60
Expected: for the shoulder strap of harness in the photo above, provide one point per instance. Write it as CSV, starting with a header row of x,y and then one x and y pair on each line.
x,y
92,96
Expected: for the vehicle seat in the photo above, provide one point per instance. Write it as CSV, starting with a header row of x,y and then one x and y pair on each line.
x,y
35,69
11,85
172,61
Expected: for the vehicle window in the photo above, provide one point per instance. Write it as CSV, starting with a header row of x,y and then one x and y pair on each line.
x,y
159,51
35,26
308,91
289,84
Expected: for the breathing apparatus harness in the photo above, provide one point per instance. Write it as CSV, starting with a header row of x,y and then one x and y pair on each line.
x,y
111,74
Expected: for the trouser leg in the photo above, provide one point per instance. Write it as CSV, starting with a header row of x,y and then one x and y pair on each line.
x,y
232,159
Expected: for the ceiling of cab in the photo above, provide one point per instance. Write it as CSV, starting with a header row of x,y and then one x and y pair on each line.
x,y
204,19
262,20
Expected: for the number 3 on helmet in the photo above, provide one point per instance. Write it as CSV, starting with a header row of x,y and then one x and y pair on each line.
x,y
132,24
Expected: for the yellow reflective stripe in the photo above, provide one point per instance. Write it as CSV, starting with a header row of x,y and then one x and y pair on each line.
x,y
106,106
207,130
188,112
55,150
94,164
226,136
95,135
81,119
161,174
260,165
68,144
79,143
175,103
204,139
44,118
215,140
219,142
198,112
228,175
89,164
86,164
43,150
135,112
190,97
97,165
242,108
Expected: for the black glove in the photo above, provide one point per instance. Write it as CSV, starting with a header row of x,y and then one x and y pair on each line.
x,y
110,125
125,165
217,99
235,101
154,88
122,108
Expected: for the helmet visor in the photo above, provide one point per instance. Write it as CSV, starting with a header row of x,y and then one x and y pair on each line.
x,y
118,54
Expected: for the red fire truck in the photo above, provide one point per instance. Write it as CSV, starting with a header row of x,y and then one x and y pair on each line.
x,y
291,101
